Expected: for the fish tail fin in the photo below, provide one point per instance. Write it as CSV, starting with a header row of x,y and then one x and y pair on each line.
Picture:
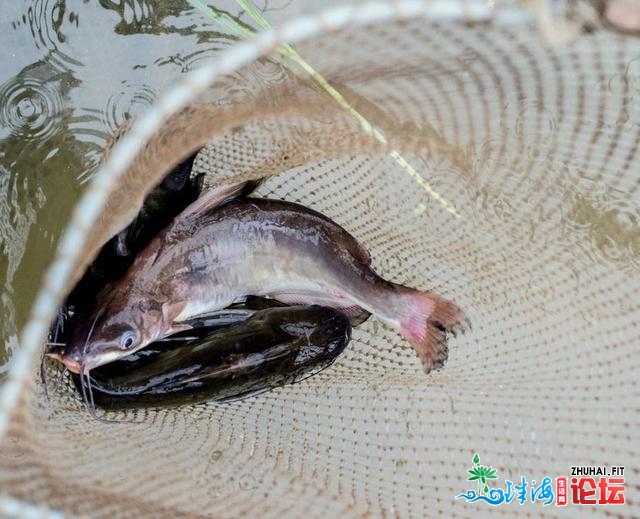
x,y
427,323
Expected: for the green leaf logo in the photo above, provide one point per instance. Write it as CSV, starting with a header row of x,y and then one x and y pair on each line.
x,y
481,474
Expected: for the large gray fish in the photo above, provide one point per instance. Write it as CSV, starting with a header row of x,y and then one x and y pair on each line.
x,y
207,259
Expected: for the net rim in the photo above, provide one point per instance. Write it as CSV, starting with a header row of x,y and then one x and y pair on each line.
x,y
93,200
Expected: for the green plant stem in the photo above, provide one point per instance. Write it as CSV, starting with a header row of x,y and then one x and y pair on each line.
x,y
223,19
323,85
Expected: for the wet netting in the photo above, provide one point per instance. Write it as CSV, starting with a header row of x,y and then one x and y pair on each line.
x,y
489,153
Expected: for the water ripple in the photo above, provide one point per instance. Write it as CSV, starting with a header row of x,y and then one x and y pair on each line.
x,y
30,107
46,19
609,227
130,101
192,60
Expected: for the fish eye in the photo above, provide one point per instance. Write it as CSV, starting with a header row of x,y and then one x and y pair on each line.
x,y
127,339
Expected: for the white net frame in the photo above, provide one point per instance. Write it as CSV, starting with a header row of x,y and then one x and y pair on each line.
x,y
455,424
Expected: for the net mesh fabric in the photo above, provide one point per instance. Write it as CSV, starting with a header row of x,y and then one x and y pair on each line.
x,y
535,147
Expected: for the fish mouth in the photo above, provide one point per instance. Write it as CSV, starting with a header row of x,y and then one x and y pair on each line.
x,y
86,363
70,363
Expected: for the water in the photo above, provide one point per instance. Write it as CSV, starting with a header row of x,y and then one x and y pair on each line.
x,y
544,257
71,73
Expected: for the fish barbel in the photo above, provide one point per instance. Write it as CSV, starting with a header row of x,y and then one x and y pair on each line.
x,y
205,260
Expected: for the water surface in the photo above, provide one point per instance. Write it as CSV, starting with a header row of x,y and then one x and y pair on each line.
x,y
70,73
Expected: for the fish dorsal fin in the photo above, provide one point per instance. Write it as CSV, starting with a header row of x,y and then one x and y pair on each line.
x,y
212,199
215,197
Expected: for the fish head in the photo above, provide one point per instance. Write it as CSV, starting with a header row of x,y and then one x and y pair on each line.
x,y
107,335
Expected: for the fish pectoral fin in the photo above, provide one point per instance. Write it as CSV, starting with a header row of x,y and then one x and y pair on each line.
x,y
171,312
179,327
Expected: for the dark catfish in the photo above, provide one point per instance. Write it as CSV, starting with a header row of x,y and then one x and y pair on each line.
x,y
176,191
267,349
206,259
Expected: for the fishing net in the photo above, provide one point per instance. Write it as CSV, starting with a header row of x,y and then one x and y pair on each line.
x,y
489,153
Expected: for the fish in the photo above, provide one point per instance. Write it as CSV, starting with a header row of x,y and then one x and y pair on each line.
x,y
164,202
261,350
213,255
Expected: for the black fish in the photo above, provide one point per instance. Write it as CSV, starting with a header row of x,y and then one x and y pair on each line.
x,y
272,347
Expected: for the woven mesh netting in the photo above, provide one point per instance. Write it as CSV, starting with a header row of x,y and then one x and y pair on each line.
x,y
474,157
